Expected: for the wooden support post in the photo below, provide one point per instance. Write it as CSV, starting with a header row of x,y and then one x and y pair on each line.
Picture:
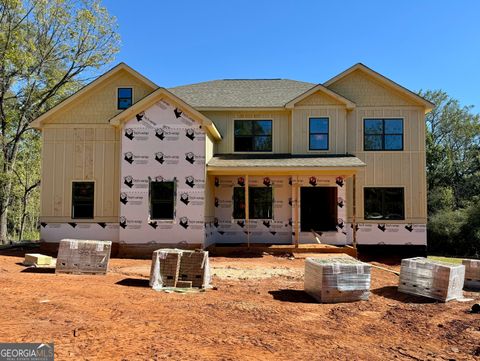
x,y
247,211
354,209
296,204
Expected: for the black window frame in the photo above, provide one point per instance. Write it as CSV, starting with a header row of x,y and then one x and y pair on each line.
x,y
119,98
252,203
252,135
382,214
76,202
153,203
310,133
383,135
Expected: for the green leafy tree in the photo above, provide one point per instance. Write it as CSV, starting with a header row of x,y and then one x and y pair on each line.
x,y
47,50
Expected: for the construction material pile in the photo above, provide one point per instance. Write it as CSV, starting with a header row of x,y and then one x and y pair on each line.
x,y
472,273
83,256
337,279
177,268
434,279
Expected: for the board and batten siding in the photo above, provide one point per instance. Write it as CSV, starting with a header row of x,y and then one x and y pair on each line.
x,y
79,153
336,133
224,121
406,168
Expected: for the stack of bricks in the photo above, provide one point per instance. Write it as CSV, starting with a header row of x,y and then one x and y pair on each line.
x,y
434,279
179,268
337,279
83,256
472,273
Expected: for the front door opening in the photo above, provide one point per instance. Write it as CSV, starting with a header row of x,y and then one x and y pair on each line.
x,y
318,209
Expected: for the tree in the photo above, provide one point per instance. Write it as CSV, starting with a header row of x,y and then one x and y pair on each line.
x,y
47,49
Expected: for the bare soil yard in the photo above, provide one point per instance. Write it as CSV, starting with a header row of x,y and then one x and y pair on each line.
x,y
257,312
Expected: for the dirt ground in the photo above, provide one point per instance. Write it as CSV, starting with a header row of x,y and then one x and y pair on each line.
x,y
258,311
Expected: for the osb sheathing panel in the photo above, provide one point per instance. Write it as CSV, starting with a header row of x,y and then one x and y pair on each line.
x,y
337,129
224,121
100,103
77,154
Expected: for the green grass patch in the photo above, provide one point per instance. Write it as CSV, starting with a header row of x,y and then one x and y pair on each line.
x,y
446,259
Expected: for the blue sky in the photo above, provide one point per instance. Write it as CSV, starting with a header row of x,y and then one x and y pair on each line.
x,y
419,44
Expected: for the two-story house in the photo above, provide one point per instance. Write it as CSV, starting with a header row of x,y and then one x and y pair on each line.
x,y
235,161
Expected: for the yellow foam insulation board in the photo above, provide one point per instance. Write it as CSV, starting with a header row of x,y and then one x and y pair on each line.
x,y
37,259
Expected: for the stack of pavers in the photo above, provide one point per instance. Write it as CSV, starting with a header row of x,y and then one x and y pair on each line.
x,y
472,273
337,279
179,268
83,256
434,279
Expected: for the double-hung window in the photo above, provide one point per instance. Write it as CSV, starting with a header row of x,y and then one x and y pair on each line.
x,y
83,195
383,134
252,135
260,203
318,133
384,203
162,200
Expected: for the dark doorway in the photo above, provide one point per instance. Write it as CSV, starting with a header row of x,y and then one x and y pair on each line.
x,y
318,210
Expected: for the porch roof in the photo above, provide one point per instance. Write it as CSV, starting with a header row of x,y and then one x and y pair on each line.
x,y
289,163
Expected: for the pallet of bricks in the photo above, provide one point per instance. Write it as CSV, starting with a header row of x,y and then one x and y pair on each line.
x,y
83,256
434,279
337,279
472,273
176,268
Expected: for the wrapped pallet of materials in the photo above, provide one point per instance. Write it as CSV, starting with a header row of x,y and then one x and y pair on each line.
x,y
472,273
178,268
337,279
434,279
83,256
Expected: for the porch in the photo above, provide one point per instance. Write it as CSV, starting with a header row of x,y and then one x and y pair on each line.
x,y
274,202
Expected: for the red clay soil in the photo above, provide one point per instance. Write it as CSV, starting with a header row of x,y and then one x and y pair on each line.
x,y
258,312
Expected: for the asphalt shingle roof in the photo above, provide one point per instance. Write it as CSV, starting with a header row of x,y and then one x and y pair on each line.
x,y
240,93
284,160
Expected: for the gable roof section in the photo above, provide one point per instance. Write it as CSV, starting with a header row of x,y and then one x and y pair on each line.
x,y
154,97
37,123
241,93
320,88
385,81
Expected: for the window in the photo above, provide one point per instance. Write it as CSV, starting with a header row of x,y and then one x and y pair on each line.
x,y
162,200
384,203
383,134
318,133
260,202
125,98
253,136
82,199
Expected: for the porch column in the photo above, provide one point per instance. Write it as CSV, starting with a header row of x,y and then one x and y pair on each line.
x,y
296,208
247,211
354,211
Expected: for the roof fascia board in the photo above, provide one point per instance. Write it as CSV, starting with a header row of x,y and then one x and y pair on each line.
x,y
152,98
319,87
384,80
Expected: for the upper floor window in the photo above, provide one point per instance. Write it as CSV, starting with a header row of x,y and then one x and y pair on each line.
x,y
384,203
318,133
383,134
82,200
162,200
260,203
124,98
253,135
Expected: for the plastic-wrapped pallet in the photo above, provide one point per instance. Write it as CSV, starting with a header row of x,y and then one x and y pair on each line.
x,y
337,279
434,279
83,256
472,273
179,268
